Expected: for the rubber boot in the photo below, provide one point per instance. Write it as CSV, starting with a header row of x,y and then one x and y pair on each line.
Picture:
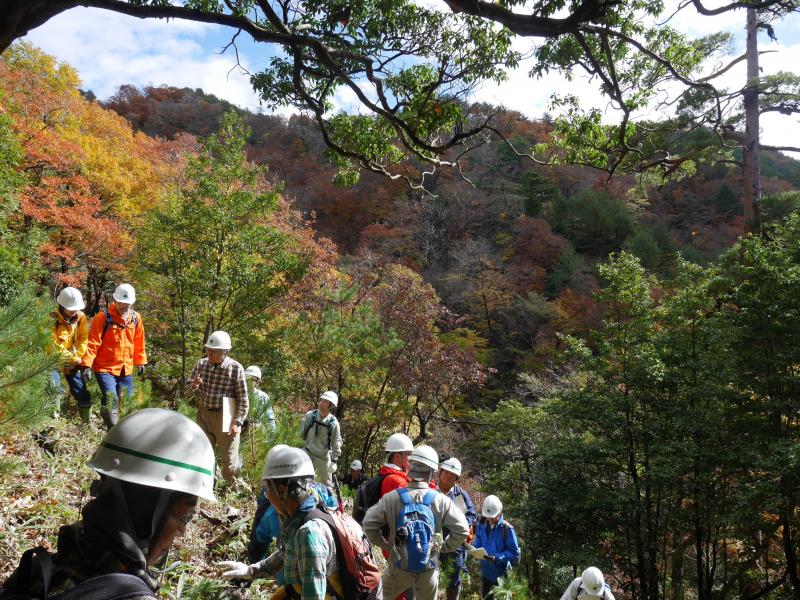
x,y
109,416
86,413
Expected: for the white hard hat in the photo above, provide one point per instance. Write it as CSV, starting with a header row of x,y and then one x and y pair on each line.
x,y
331,397
492,507
158,448
356,464
253,371
451,464
425,455
125,293
71,299
593,582
219,340
399,442
288,462
275,448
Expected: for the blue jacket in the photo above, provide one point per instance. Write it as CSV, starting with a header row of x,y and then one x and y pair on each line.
x,y
499,541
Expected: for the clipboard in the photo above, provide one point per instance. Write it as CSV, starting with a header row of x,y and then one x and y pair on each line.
x,y
228,413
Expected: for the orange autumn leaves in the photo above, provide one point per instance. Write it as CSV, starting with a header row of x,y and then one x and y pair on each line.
x,y
88,175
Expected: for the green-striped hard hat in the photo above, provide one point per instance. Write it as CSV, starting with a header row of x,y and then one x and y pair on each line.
x,y
159,448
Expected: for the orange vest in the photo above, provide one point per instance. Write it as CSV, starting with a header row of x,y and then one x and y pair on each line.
x,y
120,347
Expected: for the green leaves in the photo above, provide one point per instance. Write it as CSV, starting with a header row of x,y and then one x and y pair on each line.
x,y
214,252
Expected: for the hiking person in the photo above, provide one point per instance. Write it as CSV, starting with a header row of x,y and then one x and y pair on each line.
x,y
154,466
314,565
266,525
322,438
355,477
394,471
449,472
70,339
417,518
220,383
391,476
261,406
114,349
589,586
495,544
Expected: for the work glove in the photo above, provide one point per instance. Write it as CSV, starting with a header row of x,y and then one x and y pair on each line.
x,y
235,570
332,468
478,553
87,374
140,370
280,594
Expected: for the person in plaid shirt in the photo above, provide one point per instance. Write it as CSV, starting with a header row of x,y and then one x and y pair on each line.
x,y
310,565
214,378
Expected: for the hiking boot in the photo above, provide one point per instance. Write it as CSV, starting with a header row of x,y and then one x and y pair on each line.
x,y
86,413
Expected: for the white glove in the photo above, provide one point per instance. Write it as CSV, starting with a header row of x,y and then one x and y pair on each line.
x,y
478,553
235,570
332,468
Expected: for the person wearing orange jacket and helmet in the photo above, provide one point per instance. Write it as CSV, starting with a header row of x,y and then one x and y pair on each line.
x,y
114,350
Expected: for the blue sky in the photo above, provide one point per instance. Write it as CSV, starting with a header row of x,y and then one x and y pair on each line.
x,y
109,50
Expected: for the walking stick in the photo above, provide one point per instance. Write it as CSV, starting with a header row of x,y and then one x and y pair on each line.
x,y
338,492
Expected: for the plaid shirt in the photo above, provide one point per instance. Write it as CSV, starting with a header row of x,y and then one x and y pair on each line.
x,y
310,555
223,380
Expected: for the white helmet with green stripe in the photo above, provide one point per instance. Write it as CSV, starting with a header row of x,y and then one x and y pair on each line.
x,y
159,448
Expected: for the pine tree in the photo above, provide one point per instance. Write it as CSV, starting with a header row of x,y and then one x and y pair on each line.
x,y
24,363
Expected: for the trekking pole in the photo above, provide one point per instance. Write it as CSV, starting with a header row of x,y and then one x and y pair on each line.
x,y
338,492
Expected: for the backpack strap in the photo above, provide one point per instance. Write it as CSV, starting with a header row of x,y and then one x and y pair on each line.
x,y
344,574
110,321
405,497
329,423
310,423
430,496
35,565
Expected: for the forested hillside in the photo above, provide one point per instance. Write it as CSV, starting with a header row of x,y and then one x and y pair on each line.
x,y
614,358
511,249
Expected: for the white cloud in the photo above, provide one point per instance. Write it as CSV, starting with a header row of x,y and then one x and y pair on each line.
x,y
109,49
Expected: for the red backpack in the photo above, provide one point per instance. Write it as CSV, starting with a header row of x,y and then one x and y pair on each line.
x,y
361,578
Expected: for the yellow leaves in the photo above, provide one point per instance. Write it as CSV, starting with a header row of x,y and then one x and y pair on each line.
x,y
123,166
128,171
58,77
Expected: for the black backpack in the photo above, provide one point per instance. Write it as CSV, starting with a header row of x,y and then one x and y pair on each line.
x,y
36,565
367,495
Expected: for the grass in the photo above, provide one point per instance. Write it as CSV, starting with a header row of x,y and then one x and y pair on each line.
x,y
43,491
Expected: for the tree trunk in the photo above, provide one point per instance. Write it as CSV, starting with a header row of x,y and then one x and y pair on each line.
x,y
18,17
752,151
790,551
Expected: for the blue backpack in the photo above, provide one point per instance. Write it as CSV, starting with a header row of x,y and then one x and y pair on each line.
x,y
414,535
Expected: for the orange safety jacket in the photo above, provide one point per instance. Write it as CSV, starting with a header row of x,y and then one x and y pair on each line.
x,y
120,347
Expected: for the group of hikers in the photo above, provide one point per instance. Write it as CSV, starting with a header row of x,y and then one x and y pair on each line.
x,y
155,465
